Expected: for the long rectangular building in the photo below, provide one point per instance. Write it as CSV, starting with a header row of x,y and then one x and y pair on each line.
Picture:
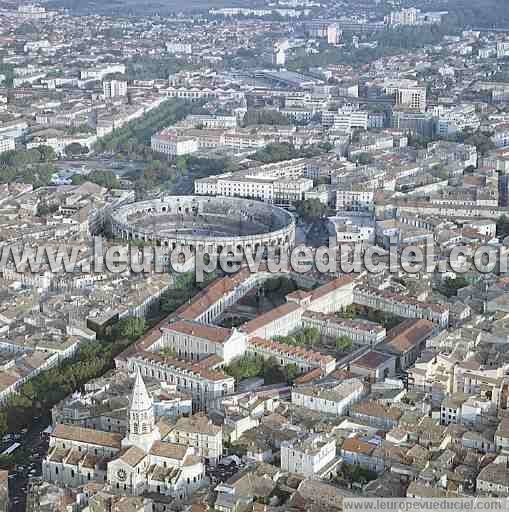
x,y
305,360
361,332
401,305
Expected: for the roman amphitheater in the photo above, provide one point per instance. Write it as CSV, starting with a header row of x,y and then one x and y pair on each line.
x,y
210,224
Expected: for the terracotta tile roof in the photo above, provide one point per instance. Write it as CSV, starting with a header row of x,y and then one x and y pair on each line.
x,y
331,286
407,335
197,423
87,435
90,461
179,365
374,409
371,360
214,291
401,299
299,295
356,445
309,377
291,351
168,450
270,316
208,332
164,428
133,456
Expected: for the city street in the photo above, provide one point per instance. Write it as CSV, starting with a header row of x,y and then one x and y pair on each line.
x,y
36,443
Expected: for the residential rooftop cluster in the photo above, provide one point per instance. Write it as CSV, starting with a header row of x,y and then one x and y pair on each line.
x,y
234,130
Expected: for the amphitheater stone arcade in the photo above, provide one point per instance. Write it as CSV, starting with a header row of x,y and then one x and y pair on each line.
x,y
211,224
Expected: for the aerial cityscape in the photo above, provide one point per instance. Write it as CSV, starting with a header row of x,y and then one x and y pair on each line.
x,y
254,256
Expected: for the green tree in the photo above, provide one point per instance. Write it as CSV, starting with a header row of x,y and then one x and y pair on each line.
x,y
181,164
3,423
264,116
106,179
311,335
452,285
344,343
311,209
503,226
131,328
75,149
293,372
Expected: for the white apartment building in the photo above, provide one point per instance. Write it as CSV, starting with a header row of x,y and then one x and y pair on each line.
x,y
346,121
502,49
98,73
493,480
211,121
412,97
241,141
204,384
355,200
350,234
334,401
114,88
308,457
195,341
280,321
291,190
404,17
6,144
280,183
500,136
170,144
502,435
179,48
452,121
34,46
200,433
408,93
33,12
328,298
333,34
195,93
278,56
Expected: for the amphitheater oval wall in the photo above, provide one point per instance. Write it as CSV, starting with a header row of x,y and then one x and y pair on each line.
x,y
211,224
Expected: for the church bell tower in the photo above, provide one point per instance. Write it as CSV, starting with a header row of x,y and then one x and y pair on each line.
x,y
141,428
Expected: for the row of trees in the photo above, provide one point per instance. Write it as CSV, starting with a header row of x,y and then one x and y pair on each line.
x,y
311,209
390,42
133,139
264,116
503,226
307,337
285,151
250,366
33,166
380,317
451,285
37,397
310,337
106,179
153,68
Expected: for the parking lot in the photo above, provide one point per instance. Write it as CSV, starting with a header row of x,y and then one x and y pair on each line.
x,y
35,445
222,472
